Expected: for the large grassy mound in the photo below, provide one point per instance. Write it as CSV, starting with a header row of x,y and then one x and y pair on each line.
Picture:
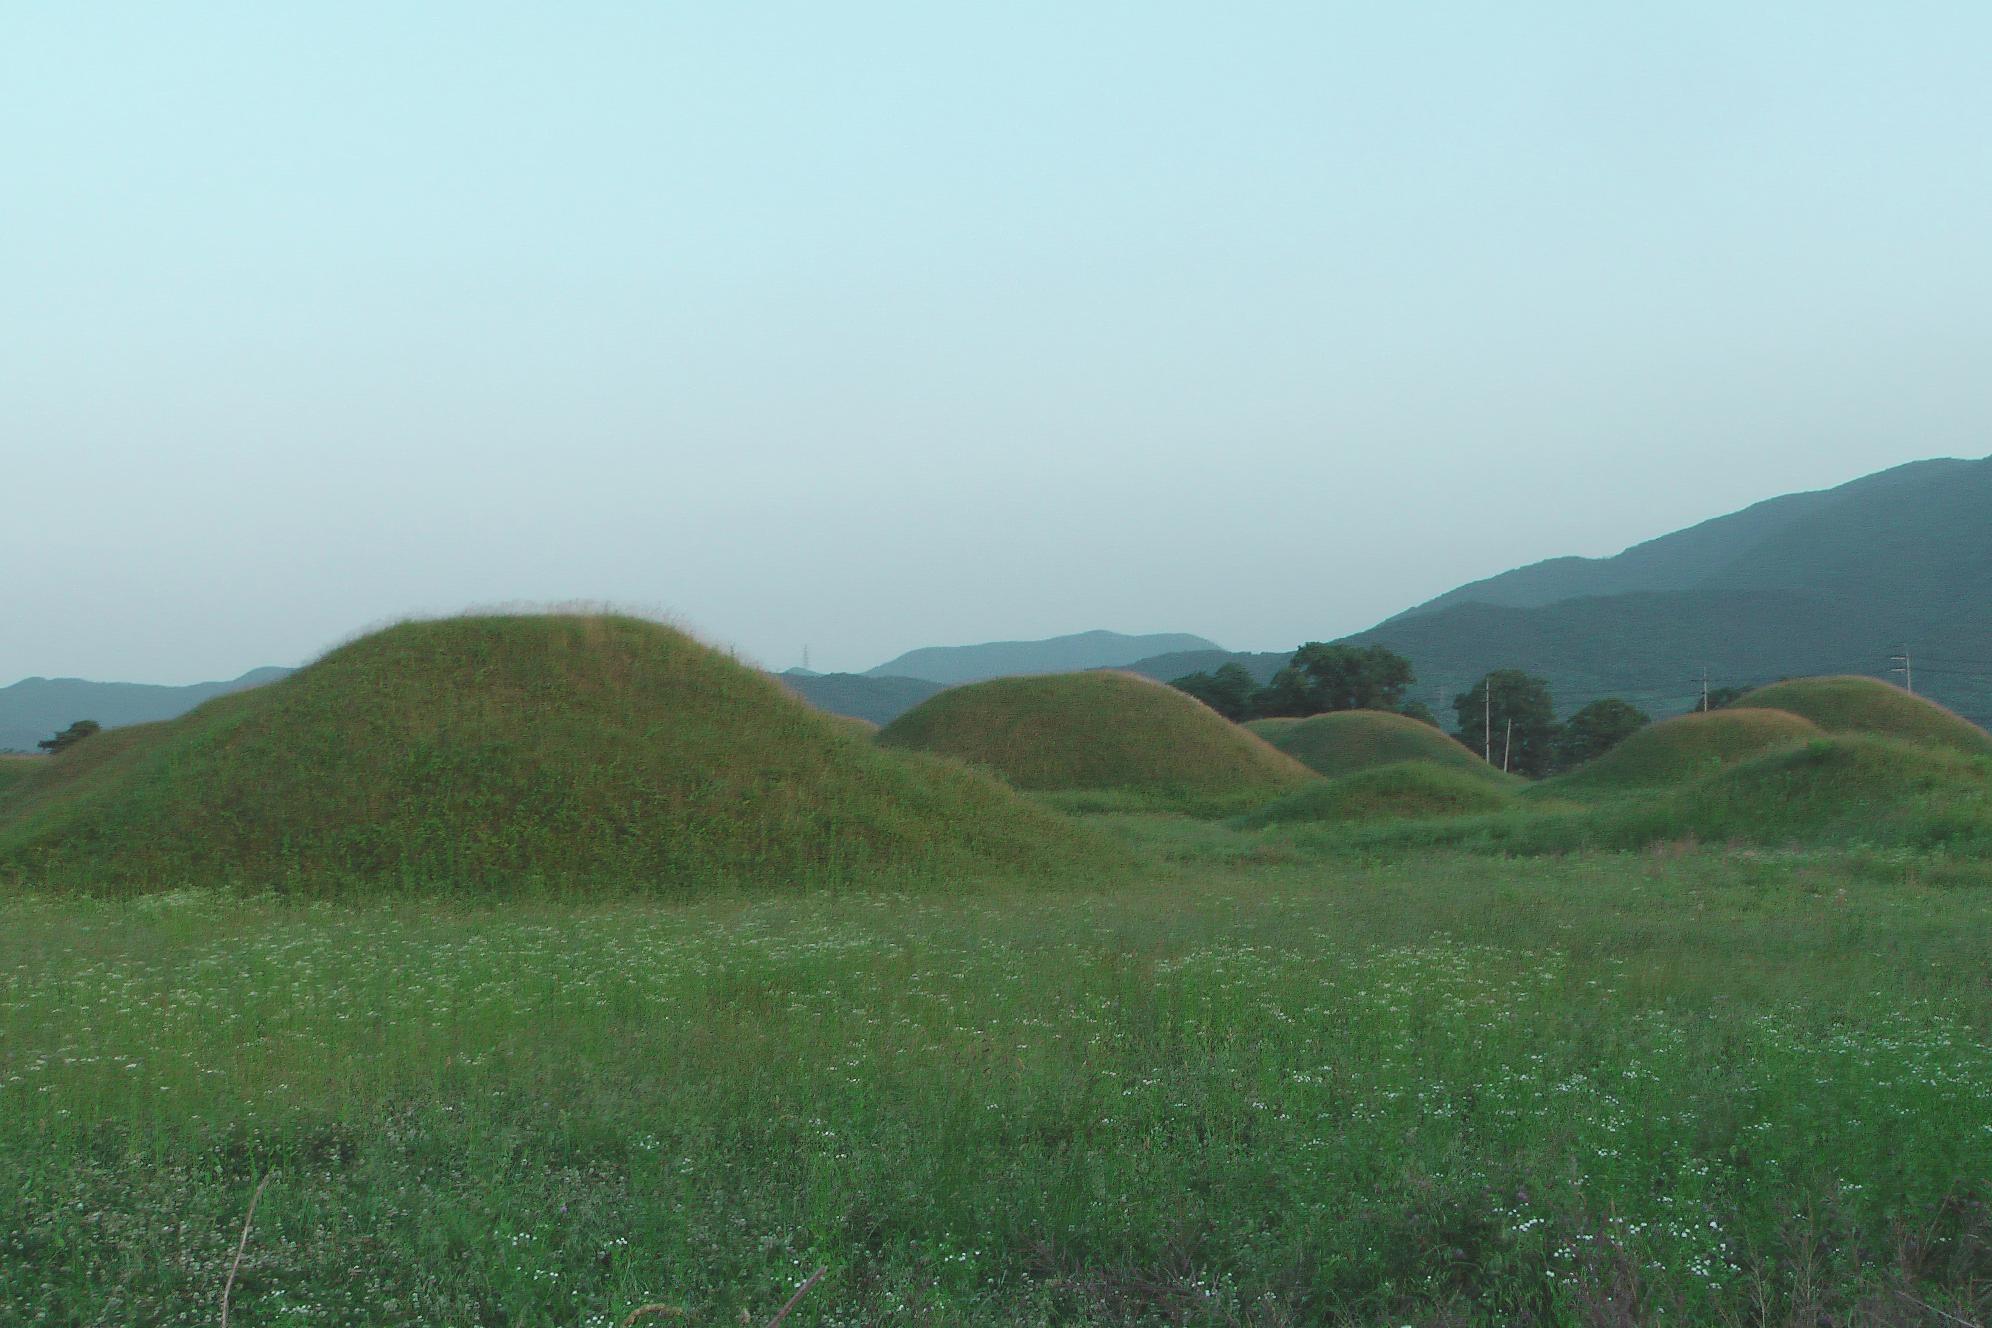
x,y
1867,705
1095,730
496,752
16,768
1403,790
1835,790
1345,741
1688,748
1271,729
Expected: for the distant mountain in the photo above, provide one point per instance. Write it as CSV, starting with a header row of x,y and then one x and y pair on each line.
x,y
1690,558
880,700
953,665
1262,665
1836,581
35,708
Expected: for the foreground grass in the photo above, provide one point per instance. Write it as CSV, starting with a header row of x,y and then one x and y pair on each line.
x,y
1686,1089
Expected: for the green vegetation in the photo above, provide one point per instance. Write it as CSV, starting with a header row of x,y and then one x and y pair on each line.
x,y
69,737
1596,729
1689,747
1865,705
1404,790
14,768
1316,678
1347,741
1096,730
1350,1057
1509,718
1690,1089
1270,729
507,754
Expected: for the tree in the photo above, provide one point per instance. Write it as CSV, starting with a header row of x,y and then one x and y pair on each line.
x,y
1322,677
1596,729
1230,691
1421,712
1523,728
1287,694
70,736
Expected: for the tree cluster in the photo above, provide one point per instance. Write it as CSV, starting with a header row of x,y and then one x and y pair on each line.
x,y
1319,678
1509,717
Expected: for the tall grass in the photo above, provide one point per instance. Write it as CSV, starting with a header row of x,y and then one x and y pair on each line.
x,y
1677,1089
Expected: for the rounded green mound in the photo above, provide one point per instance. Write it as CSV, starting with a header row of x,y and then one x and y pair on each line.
x,y
1857,789
1094,730
496,753
1868,705
1401,791
1271,729
1690,747
1346,741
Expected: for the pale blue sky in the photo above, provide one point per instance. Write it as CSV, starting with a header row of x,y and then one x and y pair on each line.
x,y
873,326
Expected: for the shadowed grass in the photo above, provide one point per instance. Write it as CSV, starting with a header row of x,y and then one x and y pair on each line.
x,y
1402,790
1677,751
1346,741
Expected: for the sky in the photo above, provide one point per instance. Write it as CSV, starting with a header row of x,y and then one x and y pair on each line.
x,y
865,326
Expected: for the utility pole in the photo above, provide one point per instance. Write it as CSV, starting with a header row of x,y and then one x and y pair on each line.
x,y
1508,750
1487,721
1704,689
1907,668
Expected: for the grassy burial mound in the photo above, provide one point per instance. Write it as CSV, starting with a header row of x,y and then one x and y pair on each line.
x,y
1867,705
500,752
1096,730
1854,789
1271,729
1404,790
1346,741
1690,747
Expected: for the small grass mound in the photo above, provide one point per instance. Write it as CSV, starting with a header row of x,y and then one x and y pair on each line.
x,y
1676,751
1095,730
1868,705
1346,741
1402,790
499,753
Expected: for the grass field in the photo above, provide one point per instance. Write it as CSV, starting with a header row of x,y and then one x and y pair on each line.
x,y
1256,1087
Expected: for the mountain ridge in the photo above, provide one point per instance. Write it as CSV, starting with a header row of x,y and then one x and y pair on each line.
x,y
954,665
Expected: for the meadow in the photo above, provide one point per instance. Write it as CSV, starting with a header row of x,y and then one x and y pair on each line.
x,y
1255,1082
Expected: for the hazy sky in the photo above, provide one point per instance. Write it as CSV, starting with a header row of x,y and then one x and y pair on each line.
x,y
871,326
